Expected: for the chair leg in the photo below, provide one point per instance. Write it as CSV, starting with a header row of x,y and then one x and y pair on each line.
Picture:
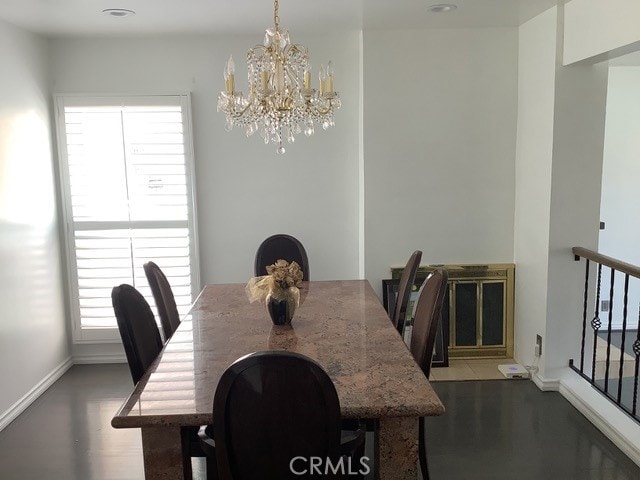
x,y
422,450
186,458
212,468
357,456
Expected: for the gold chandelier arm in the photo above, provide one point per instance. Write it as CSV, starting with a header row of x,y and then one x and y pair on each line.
x,y
327,110
288,55
293,79
238,114
323,112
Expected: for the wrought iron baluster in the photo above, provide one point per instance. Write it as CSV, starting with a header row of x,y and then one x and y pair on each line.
x,y
624,331
636,351
608,360
596,324
584,316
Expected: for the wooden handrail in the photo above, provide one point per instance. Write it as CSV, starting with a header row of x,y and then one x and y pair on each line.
x,y
581,252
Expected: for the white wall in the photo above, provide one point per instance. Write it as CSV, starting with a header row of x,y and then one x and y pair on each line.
x,y
439,146
565,106
558,173
575,201
620,200
33,329
597,29
245,191
536,92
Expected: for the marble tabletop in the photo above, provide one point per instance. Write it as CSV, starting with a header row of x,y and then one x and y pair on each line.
x,y
340,324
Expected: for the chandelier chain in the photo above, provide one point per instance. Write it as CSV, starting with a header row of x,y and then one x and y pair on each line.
x,y
276,18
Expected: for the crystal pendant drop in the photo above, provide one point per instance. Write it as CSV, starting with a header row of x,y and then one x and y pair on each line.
x,y
269,34
308,130
284,38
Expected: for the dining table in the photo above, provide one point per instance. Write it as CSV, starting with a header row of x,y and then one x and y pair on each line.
x,y
340,324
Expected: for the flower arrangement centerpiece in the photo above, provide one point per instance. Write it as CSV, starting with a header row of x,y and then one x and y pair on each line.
x,y
278,289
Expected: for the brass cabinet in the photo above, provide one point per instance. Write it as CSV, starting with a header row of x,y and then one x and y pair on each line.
x,y
479,306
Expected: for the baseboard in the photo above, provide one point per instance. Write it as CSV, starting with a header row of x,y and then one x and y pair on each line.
x,y
612,428
89,359
32,395
545,384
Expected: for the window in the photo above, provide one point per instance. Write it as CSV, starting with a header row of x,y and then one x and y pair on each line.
x,y
126,176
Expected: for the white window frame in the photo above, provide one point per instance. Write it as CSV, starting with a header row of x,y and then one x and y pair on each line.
x,y
88,335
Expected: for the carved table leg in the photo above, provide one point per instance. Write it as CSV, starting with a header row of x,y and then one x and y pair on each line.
x,y
397,449
163,454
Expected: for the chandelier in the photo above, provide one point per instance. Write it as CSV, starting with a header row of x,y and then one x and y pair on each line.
x,y
281,103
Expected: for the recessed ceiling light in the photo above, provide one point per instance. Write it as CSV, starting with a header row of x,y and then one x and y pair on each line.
x,y
118,12
442,8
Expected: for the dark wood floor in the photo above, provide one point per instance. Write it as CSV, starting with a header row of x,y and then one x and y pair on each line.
x,y
510,430
492,430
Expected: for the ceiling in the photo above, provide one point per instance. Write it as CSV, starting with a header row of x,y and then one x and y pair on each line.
x,y
57,18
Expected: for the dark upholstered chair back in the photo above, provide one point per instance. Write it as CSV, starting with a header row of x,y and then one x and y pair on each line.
x,y
138,329
281,246
404,290
270,407
423,337
163,296
427,315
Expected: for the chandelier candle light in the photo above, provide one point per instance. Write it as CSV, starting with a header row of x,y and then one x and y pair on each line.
x,y
281,102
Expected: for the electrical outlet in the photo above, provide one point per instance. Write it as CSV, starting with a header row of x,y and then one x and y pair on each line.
x,y
604,305
538,350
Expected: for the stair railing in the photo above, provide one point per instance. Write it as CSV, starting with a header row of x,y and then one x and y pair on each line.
x,y
620,331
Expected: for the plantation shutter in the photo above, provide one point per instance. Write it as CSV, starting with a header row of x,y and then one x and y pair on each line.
x,y
127,167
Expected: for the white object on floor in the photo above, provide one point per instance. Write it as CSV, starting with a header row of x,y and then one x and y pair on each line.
x,y
514,370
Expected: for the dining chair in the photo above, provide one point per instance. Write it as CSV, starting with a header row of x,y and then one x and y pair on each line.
x,y
270,408
138,329
142,344
404,290
428,313
163,296
281,246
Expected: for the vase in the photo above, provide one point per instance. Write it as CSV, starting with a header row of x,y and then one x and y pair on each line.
x,y
282,306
